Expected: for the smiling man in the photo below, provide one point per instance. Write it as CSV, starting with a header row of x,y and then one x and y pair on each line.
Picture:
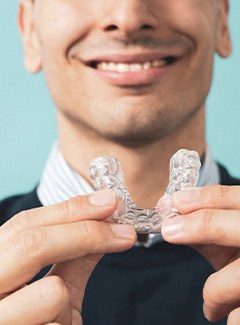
x,y
129,79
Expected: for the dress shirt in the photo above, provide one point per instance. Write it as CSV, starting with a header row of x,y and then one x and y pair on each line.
x,y
59,182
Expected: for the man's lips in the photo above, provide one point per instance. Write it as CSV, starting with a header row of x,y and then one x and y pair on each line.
x,y
133,69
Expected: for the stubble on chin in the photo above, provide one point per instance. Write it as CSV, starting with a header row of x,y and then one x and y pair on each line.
x,y
133,132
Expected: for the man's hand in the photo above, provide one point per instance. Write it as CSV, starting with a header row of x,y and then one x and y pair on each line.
x,y
73,235
210,223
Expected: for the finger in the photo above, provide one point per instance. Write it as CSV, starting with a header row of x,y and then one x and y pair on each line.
x,y
221,292
28,252
75,275
207,226
218,197
42,302
234,317
76,317
97,206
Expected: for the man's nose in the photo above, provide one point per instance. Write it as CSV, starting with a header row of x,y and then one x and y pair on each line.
x,y
129,17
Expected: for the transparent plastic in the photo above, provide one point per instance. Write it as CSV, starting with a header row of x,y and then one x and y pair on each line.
x,y
106,173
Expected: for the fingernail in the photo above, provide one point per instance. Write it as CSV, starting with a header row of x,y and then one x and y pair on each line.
x,y
187,196
173,227
102,198
123,231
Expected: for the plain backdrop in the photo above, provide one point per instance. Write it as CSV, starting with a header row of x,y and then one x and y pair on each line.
x,y
27,114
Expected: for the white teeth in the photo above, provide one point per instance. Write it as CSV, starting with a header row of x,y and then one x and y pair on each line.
x,y
132,67
112,66
122,67
104,66
147,65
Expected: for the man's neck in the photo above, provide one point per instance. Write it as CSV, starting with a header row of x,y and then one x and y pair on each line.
x,y
146,169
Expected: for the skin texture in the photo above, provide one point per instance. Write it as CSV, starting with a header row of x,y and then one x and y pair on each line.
x,y
139,124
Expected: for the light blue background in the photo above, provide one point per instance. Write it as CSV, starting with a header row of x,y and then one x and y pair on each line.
x,y
27,117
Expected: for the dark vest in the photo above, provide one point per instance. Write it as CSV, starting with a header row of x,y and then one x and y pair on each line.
x,y
160,285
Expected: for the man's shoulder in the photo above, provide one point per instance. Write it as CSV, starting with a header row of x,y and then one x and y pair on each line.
x,y
17,203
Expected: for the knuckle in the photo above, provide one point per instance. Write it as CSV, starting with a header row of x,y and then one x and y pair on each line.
x,y
86,227
212,226
68,208
94,235
207,219
222,193
71,206
21,221
29,241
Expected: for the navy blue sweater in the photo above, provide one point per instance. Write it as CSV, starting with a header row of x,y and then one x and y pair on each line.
x,y
161,285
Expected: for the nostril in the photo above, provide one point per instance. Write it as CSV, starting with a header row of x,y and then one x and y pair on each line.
x,y
111,27
146,26
114,27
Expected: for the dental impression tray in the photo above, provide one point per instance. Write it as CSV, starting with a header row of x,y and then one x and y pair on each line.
x,y
106,173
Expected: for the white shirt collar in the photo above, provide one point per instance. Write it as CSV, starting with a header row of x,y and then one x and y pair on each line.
x,y
60,182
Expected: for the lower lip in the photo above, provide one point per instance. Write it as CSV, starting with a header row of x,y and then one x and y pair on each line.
x,y
138,78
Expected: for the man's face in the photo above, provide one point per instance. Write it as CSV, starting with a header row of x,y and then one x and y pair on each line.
x,y
129,70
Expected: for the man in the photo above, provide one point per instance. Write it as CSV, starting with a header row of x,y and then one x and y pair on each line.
x,y
129,79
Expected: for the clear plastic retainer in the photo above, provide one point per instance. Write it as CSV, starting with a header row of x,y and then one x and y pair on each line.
x,y
106,173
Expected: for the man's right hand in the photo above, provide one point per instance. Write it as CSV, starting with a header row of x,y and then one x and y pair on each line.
x,y
72,236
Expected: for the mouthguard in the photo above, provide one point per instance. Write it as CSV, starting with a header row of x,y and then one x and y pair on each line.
x,y
106,173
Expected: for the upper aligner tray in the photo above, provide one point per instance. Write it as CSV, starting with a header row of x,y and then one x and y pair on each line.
x,y
106,173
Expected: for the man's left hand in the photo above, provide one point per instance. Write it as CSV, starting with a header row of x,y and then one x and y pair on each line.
x,y
210,223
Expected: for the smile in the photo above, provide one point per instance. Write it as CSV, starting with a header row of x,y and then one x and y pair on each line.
x,y
140,69
130,67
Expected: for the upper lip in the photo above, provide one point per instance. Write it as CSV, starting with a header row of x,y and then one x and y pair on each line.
x,y
140,57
